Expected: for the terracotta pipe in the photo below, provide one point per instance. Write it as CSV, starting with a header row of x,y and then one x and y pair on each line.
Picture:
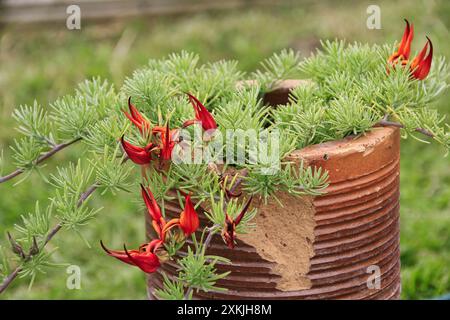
x,y
341,239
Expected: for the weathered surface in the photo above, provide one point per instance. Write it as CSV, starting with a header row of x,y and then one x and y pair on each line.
x,y
284,236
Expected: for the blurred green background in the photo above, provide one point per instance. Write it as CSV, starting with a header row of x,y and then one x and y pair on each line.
x,y
45,61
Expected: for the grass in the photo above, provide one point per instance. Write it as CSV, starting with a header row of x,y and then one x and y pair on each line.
x,y
46,62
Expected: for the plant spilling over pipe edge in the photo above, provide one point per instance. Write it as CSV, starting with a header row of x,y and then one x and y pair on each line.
x,y
352,88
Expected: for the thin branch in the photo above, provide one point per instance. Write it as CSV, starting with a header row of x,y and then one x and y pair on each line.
x,y
86,194
83,197
211,231
425,132
52,233
386,123
10,279
40,159
13,275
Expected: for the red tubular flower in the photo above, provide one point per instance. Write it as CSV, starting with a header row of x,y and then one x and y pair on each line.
x,y
137,154
404,48
144,258
154,211
421,65
147,257
167,143
229,230
188,221
202,115
136,117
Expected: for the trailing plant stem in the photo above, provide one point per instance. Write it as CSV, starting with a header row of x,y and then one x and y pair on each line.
x,y
17,270
87,193
10,279
13,275
387,123
40,159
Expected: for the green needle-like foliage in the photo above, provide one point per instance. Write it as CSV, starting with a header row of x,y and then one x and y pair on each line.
x,y
36,265
198,270
349,89
297,181
26,151
71,183
233,208
34,122
76,114
110,172
35,224
280,66
172,290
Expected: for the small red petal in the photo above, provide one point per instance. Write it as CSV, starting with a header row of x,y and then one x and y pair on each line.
x,y
154,245
167,144
136,154
136,117
404,48
421,67
202,114
230,194
120,255
189,221
134,112
228,237
146,261
151,204
243,212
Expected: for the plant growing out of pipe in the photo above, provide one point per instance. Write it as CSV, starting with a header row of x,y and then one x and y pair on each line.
x,y
167,145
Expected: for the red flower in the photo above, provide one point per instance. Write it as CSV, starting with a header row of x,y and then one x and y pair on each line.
x,y
188,221
167,143
229,230
202,115
144,258
168,139
404,48
136,118
139,155
420,65
154,211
